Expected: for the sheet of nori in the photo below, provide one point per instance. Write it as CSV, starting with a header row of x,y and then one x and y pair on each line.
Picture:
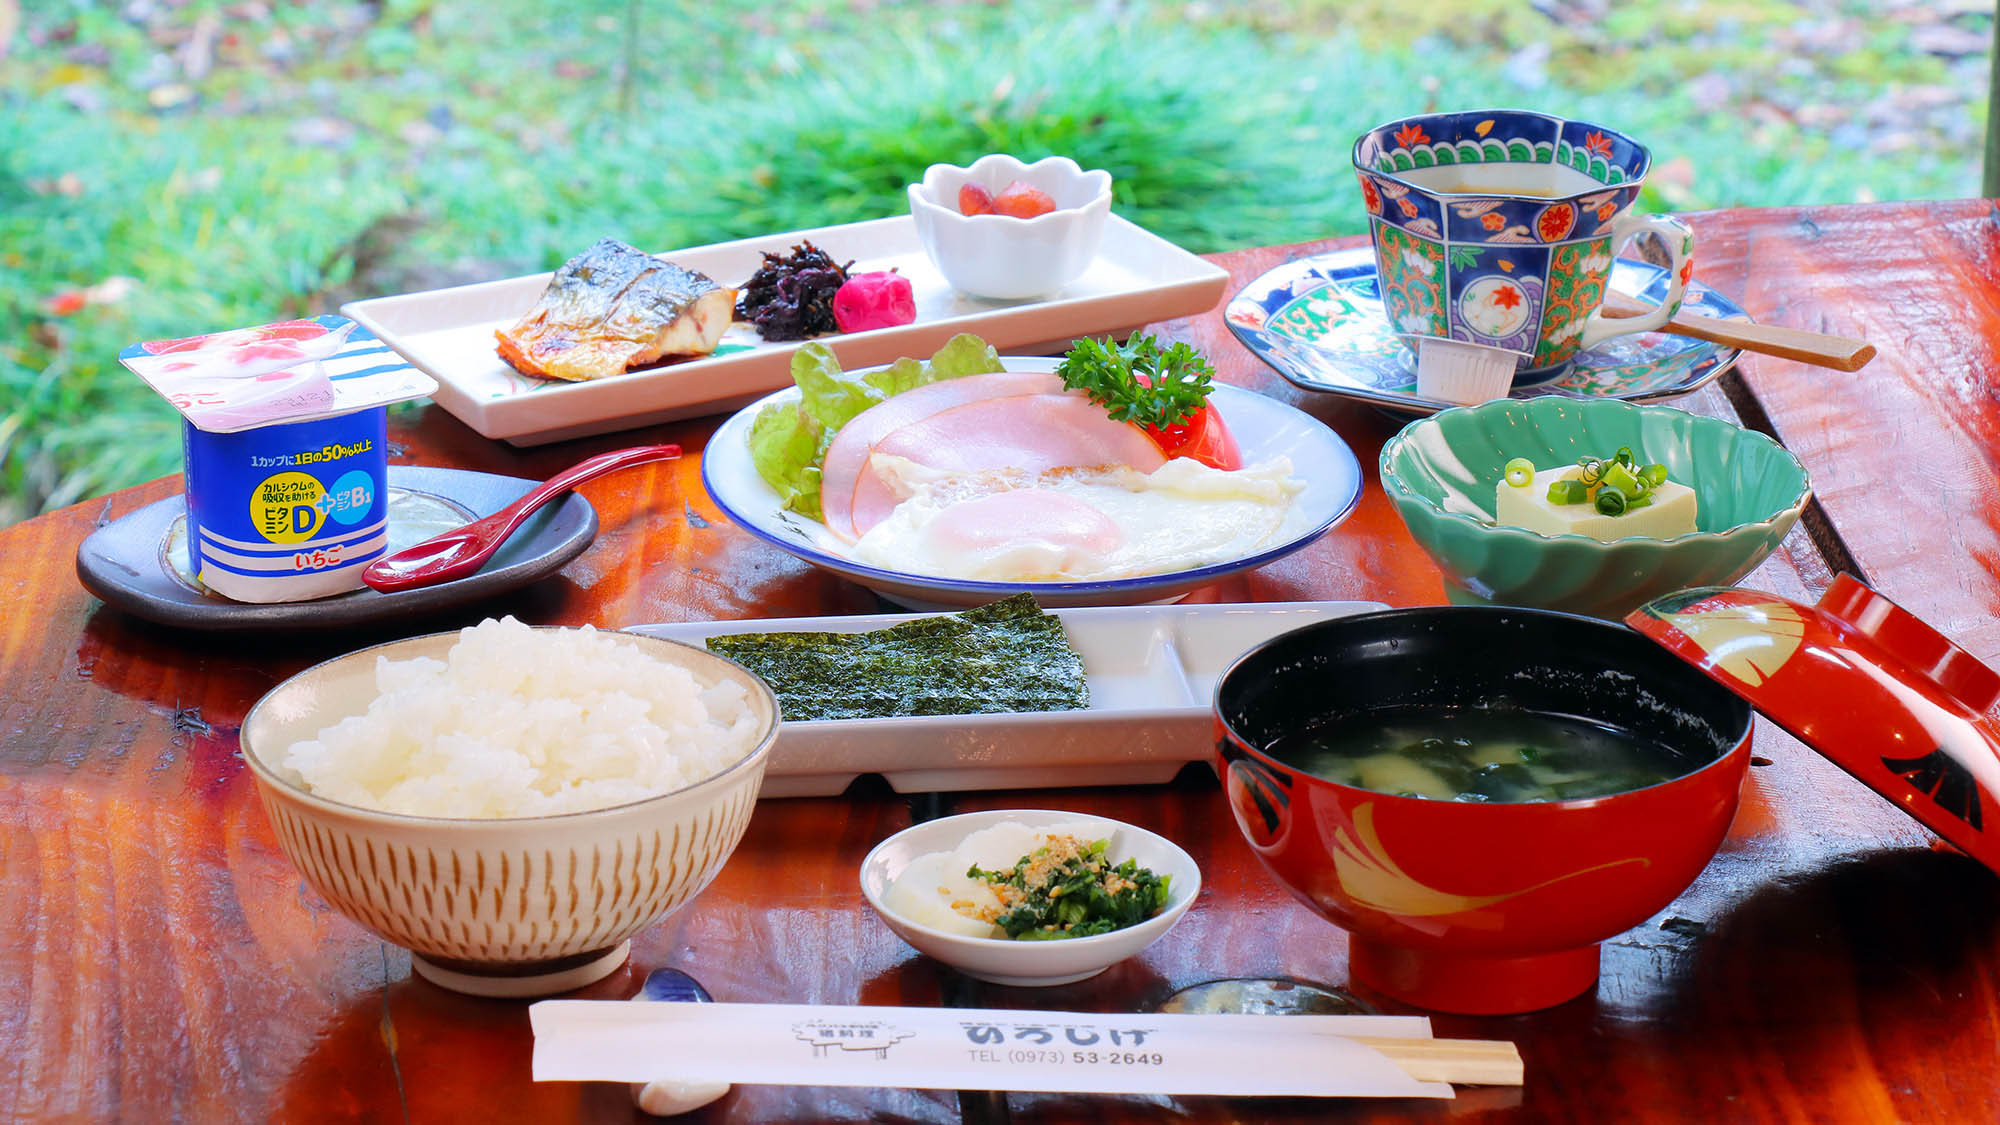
x,y
1003,657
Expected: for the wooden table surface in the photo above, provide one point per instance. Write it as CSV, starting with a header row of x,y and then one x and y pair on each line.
x,y
160,960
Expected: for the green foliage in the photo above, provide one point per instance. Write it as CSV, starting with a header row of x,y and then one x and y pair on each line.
x,y
838,138
242,163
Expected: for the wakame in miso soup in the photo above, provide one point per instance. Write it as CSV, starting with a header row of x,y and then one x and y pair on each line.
x,y
1481,755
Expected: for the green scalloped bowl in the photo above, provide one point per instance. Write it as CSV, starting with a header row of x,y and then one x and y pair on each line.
x,y
1440,473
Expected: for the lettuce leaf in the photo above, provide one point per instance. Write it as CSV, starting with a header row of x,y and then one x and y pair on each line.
x,y
786,447
789,440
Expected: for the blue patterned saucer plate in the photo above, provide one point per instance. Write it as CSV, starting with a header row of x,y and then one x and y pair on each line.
x,y
1319,322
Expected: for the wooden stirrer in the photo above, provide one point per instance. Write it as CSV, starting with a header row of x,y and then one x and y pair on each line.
x,y
1817,348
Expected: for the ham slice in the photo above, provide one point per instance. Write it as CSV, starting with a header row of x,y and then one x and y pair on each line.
x,y
848,454
1027,432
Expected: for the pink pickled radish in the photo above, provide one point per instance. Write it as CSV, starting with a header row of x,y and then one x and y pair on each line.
x,y
874,300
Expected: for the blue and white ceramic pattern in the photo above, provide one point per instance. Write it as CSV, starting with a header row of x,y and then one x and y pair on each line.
x,y
1319,321
1499,227
1503,137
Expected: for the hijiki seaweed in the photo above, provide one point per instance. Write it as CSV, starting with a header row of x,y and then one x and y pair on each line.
x,y
790,297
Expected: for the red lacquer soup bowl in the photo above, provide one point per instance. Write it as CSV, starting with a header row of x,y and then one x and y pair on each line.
x,y
1470,907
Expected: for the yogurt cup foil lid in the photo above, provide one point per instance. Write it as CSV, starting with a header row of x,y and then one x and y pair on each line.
x,y
291,371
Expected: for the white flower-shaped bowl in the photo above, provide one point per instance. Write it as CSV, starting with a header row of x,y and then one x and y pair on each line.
x,y
1029,964
523,906
1002,257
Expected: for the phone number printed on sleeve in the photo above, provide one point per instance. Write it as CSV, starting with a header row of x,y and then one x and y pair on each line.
x,y
1118,1058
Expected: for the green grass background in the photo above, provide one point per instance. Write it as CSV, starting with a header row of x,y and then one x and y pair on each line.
x,y
243,162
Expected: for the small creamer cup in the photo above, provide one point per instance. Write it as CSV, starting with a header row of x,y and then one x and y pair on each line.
x,y
1499,227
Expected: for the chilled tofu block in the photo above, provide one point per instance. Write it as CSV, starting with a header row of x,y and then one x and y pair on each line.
x,y
1669,516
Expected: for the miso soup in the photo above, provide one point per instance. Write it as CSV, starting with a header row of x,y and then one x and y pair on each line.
x,y
1481,755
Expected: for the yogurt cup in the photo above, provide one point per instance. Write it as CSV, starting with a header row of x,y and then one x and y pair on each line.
x,y
285,440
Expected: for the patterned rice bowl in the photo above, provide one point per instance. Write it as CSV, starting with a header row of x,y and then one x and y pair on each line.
x,y
524,906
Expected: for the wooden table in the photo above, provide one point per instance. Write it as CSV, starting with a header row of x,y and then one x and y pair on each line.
x,y
160,960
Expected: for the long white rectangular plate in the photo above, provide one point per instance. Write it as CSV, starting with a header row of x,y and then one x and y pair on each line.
x,y
1151,672
1137,278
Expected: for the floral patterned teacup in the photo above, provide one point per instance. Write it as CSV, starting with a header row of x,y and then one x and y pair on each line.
x,y
1498,227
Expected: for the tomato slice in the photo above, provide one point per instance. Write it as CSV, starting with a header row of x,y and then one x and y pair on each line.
x,y
1204,437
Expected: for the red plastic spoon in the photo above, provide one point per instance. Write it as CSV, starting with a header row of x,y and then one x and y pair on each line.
x,y
456,554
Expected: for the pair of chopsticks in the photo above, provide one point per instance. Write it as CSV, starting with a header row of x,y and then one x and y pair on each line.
x,y
1464,1062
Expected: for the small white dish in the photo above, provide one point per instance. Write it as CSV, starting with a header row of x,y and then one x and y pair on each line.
x,y
1030,964
1002,257
1151,671
1264,428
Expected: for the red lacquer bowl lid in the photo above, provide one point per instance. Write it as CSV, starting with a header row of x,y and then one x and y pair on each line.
x,y
1864,682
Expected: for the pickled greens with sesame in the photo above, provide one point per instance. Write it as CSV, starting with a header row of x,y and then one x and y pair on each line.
x,y
1069,888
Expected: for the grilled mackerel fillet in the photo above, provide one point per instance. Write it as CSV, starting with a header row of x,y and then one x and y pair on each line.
x,y
612,308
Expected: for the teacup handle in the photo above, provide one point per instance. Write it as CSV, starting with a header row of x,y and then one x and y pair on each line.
x,y
1679,241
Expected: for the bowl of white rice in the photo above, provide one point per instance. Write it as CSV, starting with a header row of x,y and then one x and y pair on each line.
x,y
511,803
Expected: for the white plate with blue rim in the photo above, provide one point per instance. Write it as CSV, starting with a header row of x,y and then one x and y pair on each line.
x,y
1264,429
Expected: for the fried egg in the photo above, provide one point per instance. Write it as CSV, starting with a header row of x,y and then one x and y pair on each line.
x,y
1074,524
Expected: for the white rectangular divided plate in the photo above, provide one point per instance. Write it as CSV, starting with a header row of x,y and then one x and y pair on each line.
x,y
1137,278
1151,671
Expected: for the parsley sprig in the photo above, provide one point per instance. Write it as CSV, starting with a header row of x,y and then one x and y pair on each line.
x,y
1109,373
